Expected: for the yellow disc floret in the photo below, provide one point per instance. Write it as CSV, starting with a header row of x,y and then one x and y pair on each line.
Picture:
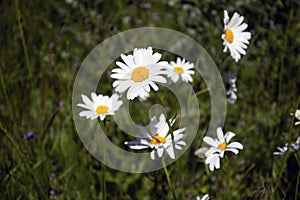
x,y
139,74
178,70
101,110
222,146
229,35
156,139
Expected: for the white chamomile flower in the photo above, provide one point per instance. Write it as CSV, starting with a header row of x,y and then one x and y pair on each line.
x,y
182,69
99,106
138,72
218,148
293,148
281,150
230,80
235,38
221,144
204,197
158,139
297,116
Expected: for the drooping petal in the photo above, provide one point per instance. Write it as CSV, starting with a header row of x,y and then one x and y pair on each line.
x,y
171,152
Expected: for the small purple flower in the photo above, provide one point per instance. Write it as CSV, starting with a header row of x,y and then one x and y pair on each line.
x,y
213,178
243,161
193,14
78,39
61,104
271,22
189,196
155,16
139,21
177,183
52,192
127,18
214,13
51,45
52,175
29,135
242,123
197,176
145,5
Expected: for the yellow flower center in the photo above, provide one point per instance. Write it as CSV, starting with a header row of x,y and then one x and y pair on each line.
x,y
139,74
229,35
178,70
222,146
156,139
101,110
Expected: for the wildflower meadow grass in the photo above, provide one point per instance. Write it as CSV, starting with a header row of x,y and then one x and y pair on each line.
x,y
159,123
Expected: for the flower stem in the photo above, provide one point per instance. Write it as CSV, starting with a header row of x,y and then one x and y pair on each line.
x,y
298,177
168,179
283,54
229,178
19,18
202,91
103,168
180,179
286,155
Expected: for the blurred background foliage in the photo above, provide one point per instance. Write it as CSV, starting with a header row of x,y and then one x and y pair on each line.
x,y
42,46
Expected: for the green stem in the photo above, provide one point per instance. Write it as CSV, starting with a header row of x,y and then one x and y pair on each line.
x,y
27,163
286,154
168,179
283,53
19,17
180,179
103,168
5,93
229,178
202,91
298,177
176,163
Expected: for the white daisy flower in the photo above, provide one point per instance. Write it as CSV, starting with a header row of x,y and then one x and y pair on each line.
x,y
221,144
230,80
293,148
99,106
204,197
218,148
158,139
138,72
182,69
281,150
297,116
234,38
